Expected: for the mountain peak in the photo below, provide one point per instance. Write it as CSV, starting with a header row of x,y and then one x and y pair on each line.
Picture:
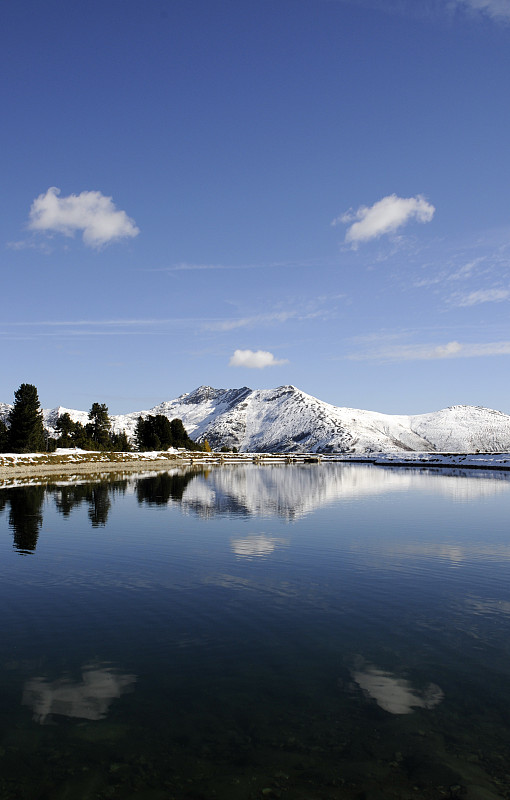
x,y
202,394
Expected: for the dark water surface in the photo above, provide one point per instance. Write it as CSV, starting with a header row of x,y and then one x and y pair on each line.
x,y
315,631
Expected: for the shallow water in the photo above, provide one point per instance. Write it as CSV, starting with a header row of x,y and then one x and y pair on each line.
x,y
311,631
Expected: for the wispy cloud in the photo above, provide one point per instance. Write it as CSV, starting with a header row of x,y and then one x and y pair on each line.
x,y
428,352
464,276
385,216
498,10
90,212
85,328
187,267
257,359
467,270
308,312
30,245
250,322
184,267
159,323
83,323
483,296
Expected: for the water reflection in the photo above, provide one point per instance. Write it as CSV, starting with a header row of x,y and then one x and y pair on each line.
x,y
96,495
394,694
89,698
256,545
241,630
292,492
25,516
160,489
289,492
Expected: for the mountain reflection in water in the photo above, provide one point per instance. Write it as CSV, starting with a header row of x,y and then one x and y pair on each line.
x,y
248,490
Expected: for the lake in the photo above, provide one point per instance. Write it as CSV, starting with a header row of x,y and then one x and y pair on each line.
x,y
292,631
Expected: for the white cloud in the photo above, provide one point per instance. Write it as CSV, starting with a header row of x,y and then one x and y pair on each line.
x,y
484,296
257,359
427,352
385,216
496,9
90,212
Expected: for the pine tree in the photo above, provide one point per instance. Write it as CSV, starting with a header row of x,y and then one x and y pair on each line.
x,y
145,434
140,433
163,428
179,435
65,429
26,431
120,442
4,437
99,426
80,439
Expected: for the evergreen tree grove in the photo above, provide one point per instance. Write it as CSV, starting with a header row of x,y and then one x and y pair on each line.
x,y
23,431
157,432
72,434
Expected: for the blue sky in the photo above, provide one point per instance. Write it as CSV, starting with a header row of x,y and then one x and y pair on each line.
x,y
256,192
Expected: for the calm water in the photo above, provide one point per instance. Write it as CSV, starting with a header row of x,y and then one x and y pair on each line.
x,y
318,631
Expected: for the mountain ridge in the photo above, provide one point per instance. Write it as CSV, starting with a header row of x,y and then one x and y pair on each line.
x,y
286,419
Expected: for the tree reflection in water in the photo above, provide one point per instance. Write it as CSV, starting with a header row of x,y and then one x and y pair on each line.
x,y
25,516
160,489
25,503
96,495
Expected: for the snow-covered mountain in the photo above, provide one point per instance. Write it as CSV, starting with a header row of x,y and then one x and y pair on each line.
x,y
289,420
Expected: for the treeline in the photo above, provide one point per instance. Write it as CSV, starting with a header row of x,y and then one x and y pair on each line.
x,y
97,434
24,431
159,433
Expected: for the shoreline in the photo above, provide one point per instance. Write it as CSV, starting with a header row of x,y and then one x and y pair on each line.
x,y
64,465
63,471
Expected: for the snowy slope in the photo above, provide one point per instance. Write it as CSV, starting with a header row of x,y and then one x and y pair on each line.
x,y
50,417
464,428
289,420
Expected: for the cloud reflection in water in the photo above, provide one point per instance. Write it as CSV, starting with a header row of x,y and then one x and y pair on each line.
x,y
89,698
256,545
396,695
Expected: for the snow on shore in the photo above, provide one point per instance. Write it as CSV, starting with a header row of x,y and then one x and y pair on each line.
x,y
76,456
